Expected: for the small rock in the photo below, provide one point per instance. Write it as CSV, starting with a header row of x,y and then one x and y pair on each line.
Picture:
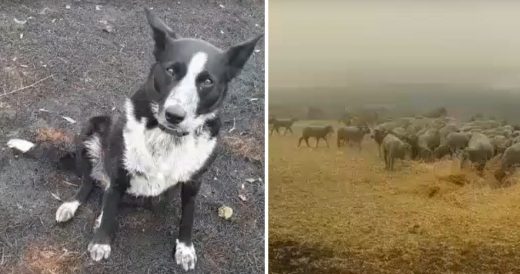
x,y
21,35
70,120
225,212
67,7
108,29
98,7
242,197
20,145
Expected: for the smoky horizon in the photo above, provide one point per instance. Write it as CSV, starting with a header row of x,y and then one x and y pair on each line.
x,y
358,44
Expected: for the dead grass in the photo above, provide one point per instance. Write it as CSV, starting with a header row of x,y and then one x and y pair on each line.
x,y
423,217
48,259
53,135
245,146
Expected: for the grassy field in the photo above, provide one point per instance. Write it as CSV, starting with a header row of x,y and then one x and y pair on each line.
x,y
339,211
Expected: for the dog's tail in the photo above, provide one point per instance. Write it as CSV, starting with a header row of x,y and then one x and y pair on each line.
x,y
47,152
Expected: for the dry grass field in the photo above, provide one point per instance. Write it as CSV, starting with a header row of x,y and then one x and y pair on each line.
x,y
339,211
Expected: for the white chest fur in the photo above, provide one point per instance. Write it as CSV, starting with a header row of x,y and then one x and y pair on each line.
x,y
163,160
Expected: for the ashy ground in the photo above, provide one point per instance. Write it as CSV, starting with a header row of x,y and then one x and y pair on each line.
x,y
339,211
81,58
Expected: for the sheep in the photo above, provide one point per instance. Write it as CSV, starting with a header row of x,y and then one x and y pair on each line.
x,y
378,134
427,142
515,140
510,159
457,141
501,143
447,129
352,134
399,132
394,148
285,123
318,132
442,151
453,143
479,150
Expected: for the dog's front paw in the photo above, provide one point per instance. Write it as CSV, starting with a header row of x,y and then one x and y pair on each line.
x,y
185,256
99,251
66,211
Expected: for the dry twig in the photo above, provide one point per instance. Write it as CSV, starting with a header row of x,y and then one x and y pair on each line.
x,y
26,87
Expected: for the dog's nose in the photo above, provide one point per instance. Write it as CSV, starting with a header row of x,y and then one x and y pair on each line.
x,y
175,114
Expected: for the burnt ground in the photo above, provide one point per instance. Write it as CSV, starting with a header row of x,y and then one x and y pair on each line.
x,y
88,71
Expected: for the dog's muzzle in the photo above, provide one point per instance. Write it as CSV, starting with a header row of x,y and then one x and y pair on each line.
x,y
173,131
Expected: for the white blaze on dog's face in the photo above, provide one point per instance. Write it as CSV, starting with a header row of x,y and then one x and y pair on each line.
x,y
189,80
180,109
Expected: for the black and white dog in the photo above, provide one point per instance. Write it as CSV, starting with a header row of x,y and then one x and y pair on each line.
x,y
167,136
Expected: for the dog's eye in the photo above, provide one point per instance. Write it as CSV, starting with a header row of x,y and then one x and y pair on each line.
x,y
205,81
171,71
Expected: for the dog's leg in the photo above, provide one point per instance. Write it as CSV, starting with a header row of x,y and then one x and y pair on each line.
x,y
184,250
99,247
67,210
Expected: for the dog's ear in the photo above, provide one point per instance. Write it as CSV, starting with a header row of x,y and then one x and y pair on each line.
x,y
237,56
161,32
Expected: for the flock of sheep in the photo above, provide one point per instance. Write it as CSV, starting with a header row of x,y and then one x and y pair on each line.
x,y
425,138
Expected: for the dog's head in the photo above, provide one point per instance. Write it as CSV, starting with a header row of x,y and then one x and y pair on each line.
x,y
189,79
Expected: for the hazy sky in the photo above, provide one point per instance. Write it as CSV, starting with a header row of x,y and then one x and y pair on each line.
x,y
334,43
